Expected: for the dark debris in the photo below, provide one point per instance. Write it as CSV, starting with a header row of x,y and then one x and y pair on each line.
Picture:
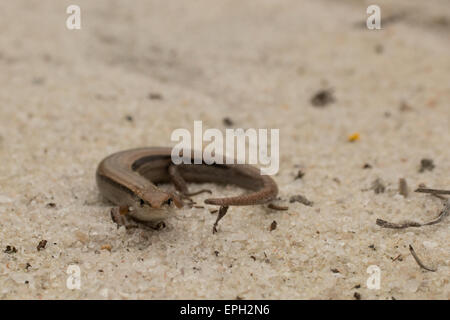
x,y
301,199
10,250
426,165
322,98
273,225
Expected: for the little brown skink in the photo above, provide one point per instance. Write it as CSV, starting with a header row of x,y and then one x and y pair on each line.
x,y
128,179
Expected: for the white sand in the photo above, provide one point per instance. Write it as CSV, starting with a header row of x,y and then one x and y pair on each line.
x,y
65,96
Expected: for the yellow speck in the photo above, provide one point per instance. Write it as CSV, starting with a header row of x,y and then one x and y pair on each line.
x,y
106,247
354,137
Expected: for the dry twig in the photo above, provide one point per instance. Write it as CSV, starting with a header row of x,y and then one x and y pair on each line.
x,y
222,211
406,224
419,262
433,191
301,199
277,207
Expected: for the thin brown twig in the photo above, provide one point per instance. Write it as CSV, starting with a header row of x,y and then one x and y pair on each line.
x,y
396,258
406,224
419,262
392,225
434,191
222,211
277,207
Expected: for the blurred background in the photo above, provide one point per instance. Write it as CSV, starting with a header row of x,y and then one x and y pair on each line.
x,y
353,105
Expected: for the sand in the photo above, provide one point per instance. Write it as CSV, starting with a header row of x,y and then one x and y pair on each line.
x,y
134,73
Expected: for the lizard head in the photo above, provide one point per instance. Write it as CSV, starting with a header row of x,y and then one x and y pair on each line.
x,y
154,205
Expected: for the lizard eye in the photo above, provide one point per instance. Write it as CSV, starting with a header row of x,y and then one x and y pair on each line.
x,y
141,202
